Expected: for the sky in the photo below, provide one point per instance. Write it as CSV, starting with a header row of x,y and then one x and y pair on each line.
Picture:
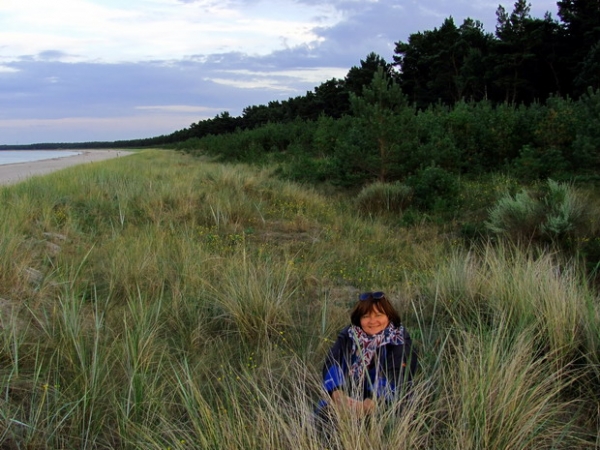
x,y
107,70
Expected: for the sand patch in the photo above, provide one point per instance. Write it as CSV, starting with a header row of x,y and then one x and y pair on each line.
x,y
14,173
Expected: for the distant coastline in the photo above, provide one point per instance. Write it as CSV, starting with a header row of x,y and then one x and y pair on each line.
x,y
24,156
15,172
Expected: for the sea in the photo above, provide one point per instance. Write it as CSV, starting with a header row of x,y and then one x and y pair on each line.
x,y
22,156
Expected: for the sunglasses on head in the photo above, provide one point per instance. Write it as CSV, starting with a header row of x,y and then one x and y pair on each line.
x,y
371,295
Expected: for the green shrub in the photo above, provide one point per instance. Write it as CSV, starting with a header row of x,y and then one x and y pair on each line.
x,y
557,213
299,165
434,189
384,198
515,217
536,163
566,210
587,141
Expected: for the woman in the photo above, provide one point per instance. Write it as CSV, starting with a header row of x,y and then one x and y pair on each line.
x,y
371,360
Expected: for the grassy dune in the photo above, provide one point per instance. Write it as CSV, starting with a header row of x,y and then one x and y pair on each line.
x,y
162,301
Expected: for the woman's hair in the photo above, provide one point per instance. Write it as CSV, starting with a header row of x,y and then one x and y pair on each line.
x,y
364,307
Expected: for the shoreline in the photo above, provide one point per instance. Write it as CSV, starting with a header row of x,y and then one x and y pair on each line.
x,y
17,172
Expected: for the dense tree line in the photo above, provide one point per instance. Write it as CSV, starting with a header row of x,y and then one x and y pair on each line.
x,y
131,143
387,138
526,60
455,101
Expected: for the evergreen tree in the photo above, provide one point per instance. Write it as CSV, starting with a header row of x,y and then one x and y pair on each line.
x,y
447,64
382,135
331,98
525,56
359,77
513,50
581,20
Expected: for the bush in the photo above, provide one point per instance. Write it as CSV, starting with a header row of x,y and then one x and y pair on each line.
x,y
384,198
517,217
587,142
557,213
535,164
434,189
302,167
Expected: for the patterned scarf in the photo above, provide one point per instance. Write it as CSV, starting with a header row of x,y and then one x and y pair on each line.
x,y
364,346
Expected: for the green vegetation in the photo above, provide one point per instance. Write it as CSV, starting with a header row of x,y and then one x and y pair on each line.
x,y
386,139
166,301
556,214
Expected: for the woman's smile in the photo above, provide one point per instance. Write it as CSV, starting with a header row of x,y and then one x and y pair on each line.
x,y
374,321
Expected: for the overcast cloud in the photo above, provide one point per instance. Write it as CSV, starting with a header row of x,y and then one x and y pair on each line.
x,y
104,70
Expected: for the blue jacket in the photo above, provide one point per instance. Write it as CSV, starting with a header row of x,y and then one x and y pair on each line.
x,y
389,374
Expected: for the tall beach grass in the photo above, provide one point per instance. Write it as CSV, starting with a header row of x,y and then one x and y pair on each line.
x,y
163,301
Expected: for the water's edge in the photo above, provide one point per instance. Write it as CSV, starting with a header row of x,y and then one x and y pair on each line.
x,y
23,156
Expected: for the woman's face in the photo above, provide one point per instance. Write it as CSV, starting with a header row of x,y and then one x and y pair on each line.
x,y
374,321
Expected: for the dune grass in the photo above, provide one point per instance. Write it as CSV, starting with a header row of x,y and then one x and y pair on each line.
x,y
162,301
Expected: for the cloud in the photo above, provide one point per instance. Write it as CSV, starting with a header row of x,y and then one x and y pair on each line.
x,y
141,30
8,69
54,101
186,109
120,70
253,83
279,80
89,129
52,55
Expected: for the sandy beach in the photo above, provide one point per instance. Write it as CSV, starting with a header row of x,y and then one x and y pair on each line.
x,y
13,173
